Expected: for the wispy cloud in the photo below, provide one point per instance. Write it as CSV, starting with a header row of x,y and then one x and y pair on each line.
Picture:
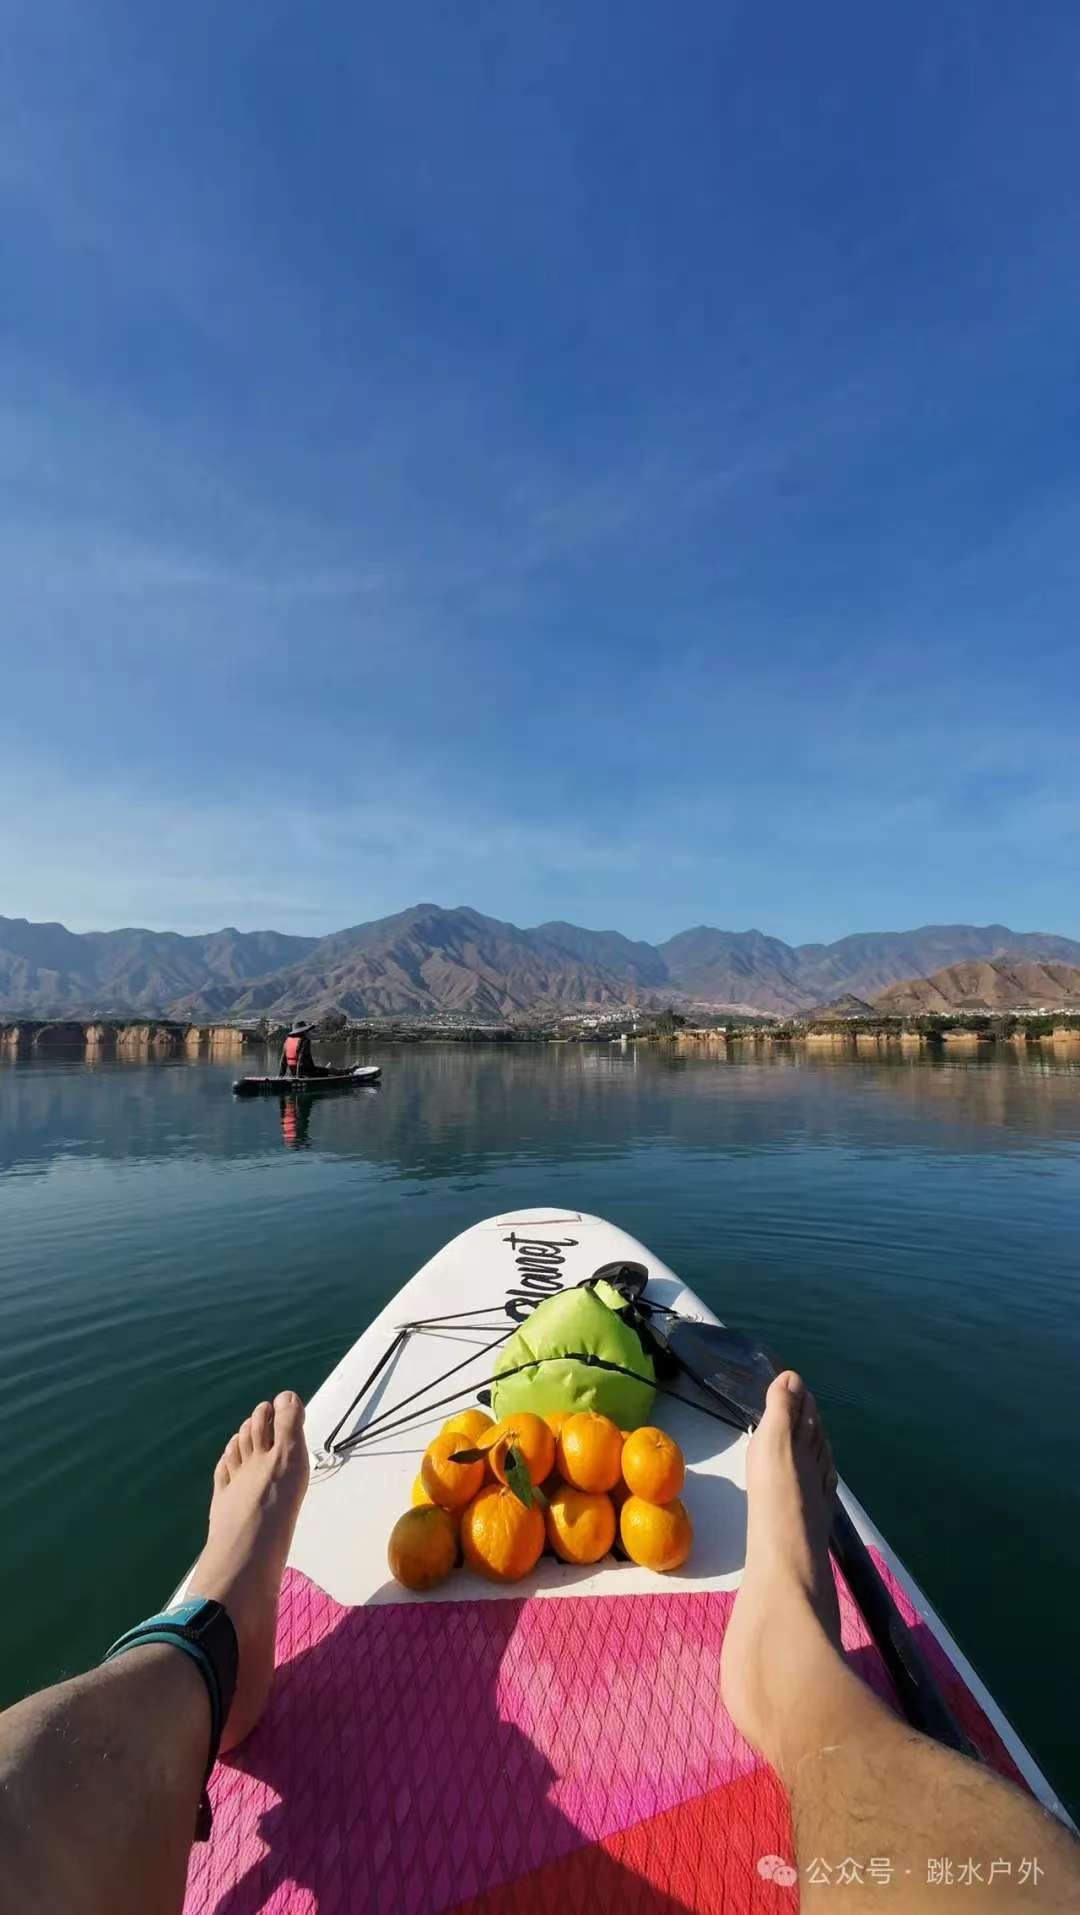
x,y
196,864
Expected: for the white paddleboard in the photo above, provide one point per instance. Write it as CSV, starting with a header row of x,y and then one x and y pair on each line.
x,y
640,1637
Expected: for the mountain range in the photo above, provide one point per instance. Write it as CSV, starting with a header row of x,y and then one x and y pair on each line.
x,y
429,959
47,970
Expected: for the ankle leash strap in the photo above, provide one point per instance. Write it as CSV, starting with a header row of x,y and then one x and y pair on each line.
x,y
202,1630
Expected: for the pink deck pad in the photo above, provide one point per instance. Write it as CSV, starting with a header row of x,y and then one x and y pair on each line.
x,y
415,1756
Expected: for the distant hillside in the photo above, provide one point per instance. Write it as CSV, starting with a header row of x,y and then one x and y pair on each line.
x,y
744,969
1005,984
46,970
430,959
634,963
732,967
846,1006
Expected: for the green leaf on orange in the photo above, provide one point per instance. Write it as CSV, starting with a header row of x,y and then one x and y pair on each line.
x,y
517,1477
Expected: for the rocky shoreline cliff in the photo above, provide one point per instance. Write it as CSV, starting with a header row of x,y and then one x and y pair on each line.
x,y
102,1040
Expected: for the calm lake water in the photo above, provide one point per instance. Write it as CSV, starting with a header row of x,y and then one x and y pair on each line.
x,y
905,1232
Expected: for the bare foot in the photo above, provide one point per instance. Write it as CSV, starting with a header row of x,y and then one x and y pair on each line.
x,y
785,1627
259,1485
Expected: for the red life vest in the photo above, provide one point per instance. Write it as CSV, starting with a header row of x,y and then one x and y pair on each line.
x,y
292,1052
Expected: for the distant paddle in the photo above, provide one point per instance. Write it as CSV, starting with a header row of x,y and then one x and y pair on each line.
x,y
736,1370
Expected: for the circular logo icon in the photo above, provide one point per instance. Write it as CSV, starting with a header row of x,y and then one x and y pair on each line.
x,y
773,1868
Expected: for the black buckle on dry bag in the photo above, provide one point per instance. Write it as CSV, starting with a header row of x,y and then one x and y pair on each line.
x,y
629,1279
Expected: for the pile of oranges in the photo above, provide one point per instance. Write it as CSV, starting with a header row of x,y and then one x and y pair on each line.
x,y
595,1483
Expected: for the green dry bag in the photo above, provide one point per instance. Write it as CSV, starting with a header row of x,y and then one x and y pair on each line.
x,y
552,1342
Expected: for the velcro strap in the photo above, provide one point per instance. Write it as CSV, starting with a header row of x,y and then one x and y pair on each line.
x,y
213,1649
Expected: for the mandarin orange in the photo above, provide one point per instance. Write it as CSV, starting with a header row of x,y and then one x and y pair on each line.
x,y
449,1484
580,1524
500,1538
656,1535
652,1465
589,1451
470,1423
530,1436
422,1547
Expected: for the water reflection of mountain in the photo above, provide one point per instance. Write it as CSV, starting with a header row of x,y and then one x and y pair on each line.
x,y
445,1112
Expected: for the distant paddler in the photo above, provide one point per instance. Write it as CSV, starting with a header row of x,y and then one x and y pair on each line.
x,y
296,1056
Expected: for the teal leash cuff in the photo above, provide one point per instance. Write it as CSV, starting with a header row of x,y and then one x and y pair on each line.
x,y
202,1630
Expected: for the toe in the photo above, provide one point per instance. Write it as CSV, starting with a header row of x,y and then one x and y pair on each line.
x,y
784,1400
262,1427
288,1415
232,1458
245,1439
222,1473
811,1428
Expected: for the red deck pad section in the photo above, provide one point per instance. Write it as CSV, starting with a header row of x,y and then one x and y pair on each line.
x,y
702,1855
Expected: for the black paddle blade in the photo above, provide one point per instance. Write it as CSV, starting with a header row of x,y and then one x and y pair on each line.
x,y
728,1363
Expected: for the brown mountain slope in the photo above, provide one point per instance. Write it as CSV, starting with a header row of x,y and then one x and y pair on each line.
x,y
431,960
744,969
846,1006
1002,984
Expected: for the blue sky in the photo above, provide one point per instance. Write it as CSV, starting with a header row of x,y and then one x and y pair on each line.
x,y
609,462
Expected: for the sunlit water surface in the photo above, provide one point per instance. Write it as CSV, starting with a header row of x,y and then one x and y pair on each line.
x,y
904,1231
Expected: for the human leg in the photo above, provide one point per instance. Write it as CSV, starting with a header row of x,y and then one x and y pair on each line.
x,y
863,1784
100,1777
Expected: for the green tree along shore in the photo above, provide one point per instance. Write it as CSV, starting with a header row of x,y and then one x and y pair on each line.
x,y
668,1024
